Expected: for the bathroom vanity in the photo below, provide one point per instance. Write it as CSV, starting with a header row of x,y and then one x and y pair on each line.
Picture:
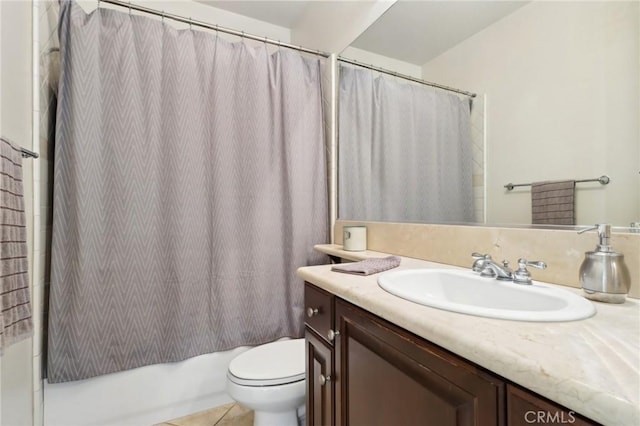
x,y
373,358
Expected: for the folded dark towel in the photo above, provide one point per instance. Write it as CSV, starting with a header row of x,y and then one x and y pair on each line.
x,y
368,266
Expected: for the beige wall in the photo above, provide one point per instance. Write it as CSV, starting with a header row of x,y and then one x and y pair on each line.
x,y
15,123
563,101
562,250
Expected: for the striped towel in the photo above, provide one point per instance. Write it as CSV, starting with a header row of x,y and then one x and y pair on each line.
x,y
15,306
552,203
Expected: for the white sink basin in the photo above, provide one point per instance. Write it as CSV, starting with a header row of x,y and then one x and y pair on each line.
x,y
468,293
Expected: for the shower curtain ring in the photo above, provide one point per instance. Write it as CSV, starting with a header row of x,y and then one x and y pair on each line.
x,y
190,23
242,37
129,7
163,16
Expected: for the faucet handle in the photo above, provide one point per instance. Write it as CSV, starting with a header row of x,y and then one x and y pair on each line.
x,y
522,275
477,255
480,260
523,263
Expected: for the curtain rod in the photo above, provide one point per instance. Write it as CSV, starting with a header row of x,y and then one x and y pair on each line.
x,y
406,77
218,28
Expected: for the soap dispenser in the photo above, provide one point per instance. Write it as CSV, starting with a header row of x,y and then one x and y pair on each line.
x,y
604,276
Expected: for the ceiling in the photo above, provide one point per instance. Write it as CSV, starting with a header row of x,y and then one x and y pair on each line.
x,y
284,13
410,31
418,31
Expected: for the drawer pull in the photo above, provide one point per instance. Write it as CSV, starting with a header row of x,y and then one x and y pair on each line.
x,y
324,379
331,335
312,312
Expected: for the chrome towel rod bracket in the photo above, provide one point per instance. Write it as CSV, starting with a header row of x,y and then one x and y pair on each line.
x,y
24,151
604,180
28,154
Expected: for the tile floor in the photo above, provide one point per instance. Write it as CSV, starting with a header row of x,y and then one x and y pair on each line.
x,y
232,414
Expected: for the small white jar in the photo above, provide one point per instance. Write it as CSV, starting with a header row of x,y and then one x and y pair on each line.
x,y
354,238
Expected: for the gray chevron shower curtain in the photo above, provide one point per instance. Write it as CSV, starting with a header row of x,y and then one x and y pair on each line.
x,y
405,151
190,184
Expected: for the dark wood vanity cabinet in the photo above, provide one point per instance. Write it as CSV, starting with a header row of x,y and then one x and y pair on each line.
x,y
365,371
387,376
362,370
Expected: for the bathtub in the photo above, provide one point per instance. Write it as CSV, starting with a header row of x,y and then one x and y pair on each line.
x,y
142,396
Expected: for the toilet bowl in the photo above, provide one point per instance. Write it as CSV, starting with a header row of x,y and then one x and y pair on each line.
x,y
270,379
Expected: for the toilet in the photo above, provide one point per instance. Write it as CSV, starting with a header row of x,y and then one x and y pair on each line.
x,y
270,379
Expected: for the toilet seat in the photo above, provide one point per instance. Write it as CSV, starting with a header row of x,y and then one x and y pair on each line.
x,y
272,364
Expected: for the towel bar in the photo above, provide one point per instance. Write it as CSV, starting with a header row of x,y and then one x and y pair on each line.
x,y
25,152
28,154
604,180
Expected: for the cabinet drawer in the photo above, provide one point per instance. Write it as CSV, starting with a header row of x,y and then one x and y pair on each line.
x,y
318,305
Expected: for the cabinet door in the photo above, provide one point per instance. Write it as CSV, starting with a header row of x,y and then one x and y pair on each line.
x,y
526,408
319,381
387,376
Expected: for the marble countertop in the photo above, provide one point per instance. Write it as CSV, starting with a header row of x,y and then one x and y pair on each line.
x,y
590,366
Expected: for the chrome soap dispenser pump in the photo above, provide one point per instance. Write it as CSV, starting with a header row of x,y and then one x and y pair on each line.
x,y
604,277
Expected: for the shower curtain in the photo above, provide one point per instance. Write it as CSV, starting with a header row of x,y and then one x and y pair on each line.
x,y
404,152
190,184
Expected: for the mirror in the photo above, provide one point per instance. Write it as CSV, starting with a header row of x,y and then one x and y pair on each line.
x,y
558,90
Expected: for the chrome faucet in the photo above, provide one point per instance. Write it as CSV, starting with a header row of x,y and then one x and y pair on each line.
x,y
488,268
493,270
485,265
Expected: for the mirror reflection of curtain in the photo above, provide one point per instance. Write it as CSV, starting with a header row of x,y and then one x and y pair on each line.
x,y
405,152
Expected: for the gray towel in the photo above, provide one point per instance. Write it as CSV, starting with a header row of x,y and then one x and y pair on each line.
x,y
552,203
368,266
15,306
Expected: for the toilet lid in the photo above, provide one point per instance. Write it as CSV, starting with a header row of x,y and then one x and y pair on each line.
x,y
271,364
